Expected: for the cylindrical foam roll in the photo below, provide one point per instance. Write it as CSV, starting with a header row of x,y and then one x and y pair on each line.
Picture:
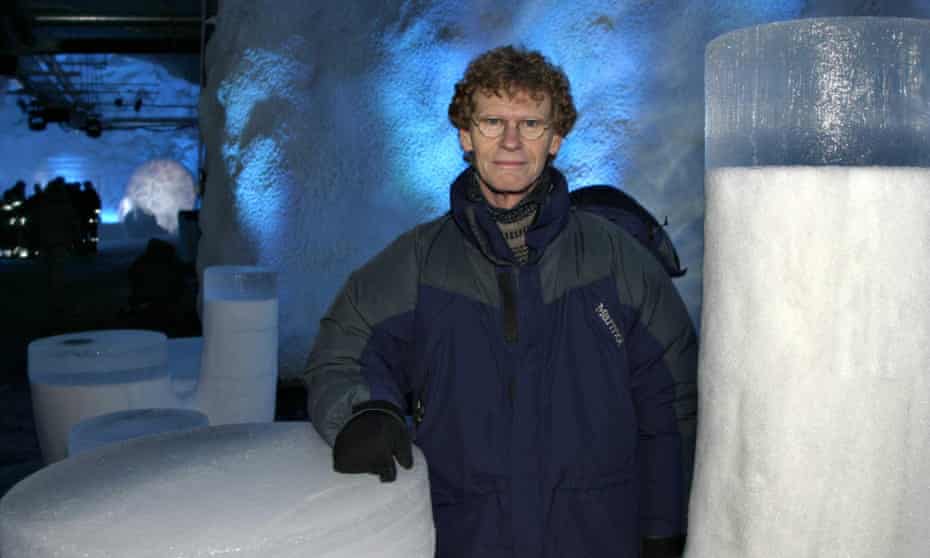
x,y
110,428
814,366
81,375
184,358
239,368
243,491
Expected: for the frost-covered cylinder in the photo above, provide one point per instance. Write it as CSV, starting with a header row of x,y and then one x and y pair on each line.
x,y
237,491
815,362
112,428
76,376
833,91
239,366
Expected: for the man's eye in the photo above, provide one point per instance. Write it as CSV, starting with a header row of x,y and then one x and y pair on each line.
x,y
532,124
493,121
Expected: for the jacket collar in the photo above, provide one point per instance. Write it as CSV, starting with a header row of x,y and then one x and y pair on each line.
x,y
474,218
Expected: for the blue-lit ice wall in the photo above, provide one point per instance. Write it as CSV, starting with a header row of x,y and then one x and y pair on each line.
x,y
108,161
327,133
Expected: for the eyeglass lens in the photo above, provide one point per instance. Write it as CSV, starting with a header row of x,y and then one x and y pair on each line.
x,y
494,127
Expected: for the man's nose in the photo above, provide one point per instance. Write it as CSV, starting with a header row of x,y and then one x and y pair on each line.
x,y
511,137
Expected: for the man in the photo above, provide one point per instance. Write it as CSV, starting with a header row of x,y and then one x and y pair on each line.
x,y
58,230
544,352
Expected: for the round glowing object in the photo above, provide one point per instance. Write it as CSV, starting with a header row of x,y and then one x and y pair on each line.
x,y
159,188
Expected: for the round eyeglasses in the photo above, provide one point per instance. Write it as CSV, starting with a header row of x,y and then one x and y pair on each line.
x,y
530,128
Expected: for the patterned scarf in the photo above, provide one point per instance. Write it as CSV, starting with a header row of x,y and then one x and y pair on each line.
x,y
514,222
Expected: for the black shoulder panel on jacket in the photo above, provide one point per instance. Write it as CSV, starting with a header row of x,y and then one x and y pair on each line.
x,y
452,264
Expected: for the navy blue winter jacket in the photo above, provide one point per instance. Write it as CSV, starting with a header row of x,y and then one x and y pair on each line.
x,y
555,401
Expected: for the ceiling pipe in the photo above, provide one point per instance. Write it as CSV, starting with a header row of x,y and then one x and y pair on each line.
x,y
114,20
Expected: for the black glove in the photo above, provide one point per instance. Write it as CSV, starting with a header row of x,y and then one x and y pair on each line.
x,y
670,547
370,441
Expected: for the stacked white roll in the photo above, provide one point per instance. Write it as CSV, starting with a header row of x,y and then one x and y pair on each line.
x,y
184,360
814,365
239,368
77,376
245,491
111,428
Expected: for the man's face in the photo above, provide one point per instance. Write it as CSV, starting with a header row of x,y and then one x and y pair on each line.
x,y
508,164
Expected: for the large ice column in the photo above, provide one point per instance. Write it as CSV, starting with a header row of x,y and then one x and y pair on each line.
x,y
239,365
814,432
240,491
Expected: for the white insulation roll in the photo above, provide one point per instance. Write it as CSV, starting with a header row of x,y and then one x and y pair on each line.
x,y
113,428
76,376
239,365
814,430
240,361
238,491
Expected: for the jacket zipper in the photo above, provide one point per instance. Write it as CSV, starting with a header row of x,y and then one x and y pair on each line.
x,y
511,323
511,326
505,282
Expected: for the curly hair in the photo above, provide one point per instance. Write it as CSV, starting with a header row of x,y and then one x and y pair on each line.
x,y
510,70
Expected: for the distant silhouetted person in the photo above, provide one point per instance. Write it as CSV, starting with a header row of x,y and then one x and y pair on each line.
x,y
18,191
58,228
158,292
32,220
140,224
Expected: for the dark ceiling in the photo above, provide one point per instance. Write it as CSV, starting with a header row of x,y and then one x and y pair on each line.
x,y
57,51
103,26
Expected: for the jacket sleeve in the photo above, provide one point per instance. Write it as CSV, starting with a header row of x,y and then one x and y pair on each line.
x,y
362,346
662,350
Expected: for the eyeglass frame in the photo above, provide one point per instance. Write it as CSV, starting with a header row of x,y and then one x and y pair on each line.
x,y
520,129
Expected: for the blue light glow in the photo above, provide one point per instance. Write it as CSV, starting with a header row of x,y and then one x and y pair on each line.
x,y
109,216
424,153
70,167
608,49
418,82
260,189
263,77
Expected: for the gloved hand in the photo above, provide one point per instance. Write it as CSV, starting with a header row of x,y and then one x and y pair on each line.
x,y
669,547
370,441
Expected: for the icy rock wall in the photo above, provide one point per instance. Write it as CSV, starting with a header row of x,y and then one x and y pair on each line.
x,y
327,135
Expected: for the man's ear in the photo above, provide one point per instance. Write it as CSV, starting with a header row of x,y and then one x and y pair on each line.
x,y
465,140
555,145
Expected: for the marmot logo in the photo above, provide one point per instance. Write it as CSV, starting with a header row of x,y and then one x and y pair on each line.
x,y
604,315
